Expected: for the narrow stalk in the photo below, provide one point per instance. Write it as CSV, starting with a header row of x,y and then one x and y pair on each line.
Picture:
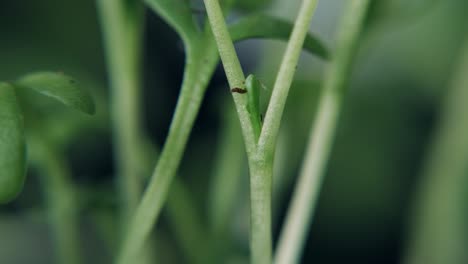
x,y
439,232
201,62
267,141
61,199
305,196
306,192
233,69
122,23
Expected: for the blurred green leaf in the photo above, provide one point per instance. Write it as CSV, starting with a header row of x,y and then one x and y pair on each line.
x,y
268,27
12,145
60,87
177,13
398,10
252,5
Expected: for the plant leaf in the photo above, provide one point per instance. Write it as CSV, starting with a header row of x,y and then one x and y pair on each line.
x,y
264,26
12,145
177,13
61,87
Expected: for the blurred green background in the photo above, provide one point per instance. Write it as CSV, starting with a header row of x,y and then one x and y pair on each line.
x,y
406,60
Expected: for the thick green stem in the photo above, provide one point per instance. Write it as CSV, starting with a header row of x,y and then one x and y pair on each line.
x,y
261,172
61,199
321,138
439,232
122,28
201,61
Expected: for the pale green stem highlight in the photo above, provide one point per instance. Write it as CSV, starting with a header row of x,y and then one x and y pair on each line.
x,y
305,196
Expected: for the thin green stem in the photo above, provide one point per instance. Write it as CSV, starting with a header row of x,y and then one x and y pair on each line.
x,y
201,61
321,138
308,186
260,164
267,141
122,28
61,199
233,69
439,233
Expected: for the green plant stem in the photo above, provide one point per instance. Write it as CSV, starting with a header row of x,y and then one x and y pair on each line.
x,y
267,141
260,165
61,199
261,158
184,218
122,23
233,69
306,192
439,233
307,188
201,61
261,172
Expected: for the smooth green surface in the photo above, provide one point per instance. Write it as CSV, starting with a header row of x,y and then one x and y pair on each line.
x,y
439,233
253,86
402,10
252,5
269,27
12,145
61,87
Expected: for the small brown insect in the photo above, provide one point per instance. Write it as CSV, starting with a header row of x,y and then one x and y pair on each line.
x,y
238,90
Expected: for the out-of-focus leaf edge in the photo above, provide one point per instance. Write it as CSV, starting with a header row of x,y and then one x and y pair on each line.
x,y
60,87
268,27
12,145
